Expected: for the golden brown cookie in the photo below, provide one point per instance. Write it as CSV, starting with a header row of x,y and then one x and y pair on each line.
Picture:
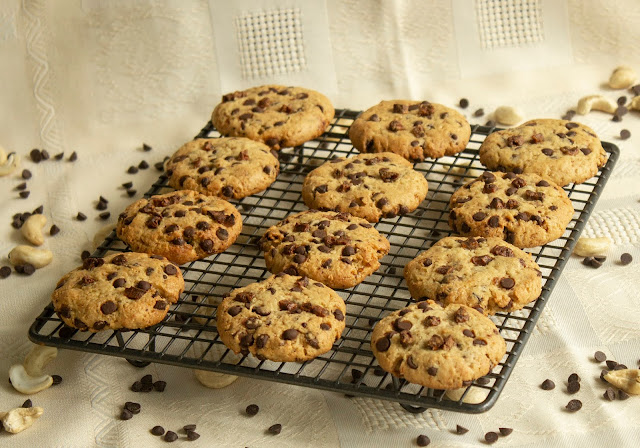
x,y
412,129
283,318
278,116
487,274
370,186
562,151
225,167
336,249
129,290
182,226
523,209
440,348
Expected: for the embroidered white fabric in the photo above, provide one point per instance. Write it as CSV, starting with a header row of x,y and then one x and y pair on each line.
x,y
101,77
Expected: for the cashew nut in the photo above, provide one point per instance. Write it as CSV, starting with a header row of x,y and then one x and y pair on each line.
x,y
38,357
8,162
214,380
588,247
27,384
626,379
19,419
475,395
32,229
507,115
622,77
595,102
635,103
24,254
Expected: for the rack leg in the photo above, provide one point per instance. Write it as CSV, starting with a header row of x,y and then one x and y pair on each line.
x,y
135,362
407,407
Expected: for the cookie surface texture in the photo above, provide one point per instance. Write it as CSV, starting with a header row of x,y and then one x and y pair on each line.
x,y
278,116
562,151
225,167
440,348
523,209
129,290
283,318
370,186
182,226
486,274
336,249
412,129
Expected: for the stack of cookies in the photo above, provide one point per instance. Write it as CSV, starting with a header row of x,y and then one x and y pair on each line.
x,y
445,340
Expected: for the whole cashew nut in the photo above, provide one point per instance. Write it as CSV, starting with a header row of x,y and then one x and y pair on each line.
x,y
19,419
32,229
8,162
622,77
474,396
595,102
214,380
588,247
635,103
38,357
24,254
507,115
626,379
27,384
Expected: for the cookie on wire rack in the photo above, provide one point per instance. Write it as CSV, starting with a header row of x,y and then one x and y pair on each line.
x,y
437,347
414,130
278,116
370,186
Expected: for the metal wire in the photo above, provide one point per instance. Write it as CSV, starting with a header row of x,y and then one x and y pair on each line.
x,y
188,336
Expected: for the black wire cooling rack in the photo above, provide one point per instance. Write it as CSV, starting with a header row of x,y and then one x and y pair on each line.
x,y
188,336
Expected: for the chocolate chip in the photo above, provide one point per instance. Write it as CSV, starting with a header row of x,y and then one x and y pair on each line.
x,y
27,404
227,191
222,234
600,356
26,269
252,409
108,307
611,364
505,431
170,269
625,259
159,386
423,440
383,344
622,395
573,387
491,437
609,394
57,379
290,334
573,377
461,430
170,436
192,435
478,113
479,216
132,407
73,157
275,429
463,103
507,283
574,405
81,216
126,415
157,430
5,271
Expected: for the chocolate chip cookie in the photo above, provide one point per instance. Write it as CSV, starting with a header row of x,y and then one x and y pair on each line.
x,y
437,347
523,209
129,290
225,167
278,116
412,129
487,274
336,249
370,186
182,226
283,318
562,151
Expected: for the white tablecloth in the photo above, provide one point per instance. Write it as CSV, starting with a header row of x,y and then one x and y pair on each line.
x,y
100,78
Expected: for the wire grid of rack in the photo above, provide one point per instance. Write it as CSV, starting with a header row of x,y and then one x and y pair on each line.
x,y
188,337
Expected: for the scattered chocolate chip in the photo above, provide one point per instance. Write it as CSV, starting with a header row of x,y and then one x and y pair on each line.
x,y
73,157
126,415
252,409
27,404
170,436
573,377
622,395
625,259
192,435
491,437
105,215
478,113
611,364
574,405
143,165
24,194
26,269
26,174
625,134
157,430
5,271
132,407
573,387
423,440
463,103
275,429
609,394
600,356
81,216
159,386
191,427
505,431
132,169
548,385
57,379
84,255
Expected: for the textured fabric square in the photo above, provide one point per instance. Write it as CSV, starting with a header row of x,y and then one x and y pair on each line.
x,y
509,23
270,43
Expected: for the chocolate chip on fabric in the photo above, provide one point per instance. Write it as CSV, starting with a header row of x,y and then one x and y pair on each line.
x,y
275,429
157,430
548,385
27,404
423,440
573,387
170,436
461,430
73,157
611,364
252,409
81,216
622,395
133,407
463,103
600,356
574,405
491,437
609,394
625,259
5,271
505,431
126,415
192,435
57,379
573,377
